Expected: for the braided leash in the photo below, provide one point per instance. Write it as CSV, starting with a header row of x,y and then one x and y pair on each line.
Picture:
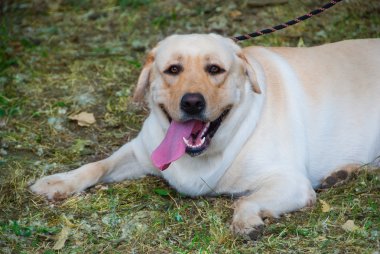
x,y
284,25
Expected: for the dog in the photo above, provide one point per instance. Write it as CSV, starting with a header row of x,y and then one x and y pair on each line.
x,y
266,125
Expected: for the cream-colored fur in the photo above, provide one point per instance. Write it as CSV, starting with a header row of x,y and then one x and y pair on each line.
x,y
297,114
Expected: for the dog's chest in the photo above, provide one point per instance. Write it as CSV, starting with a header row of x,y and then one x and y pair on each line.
x,y
194,177
189,185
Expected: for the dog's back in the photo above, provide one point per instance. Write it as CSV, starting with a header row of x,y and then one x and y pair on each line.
x,y
343,113
335,89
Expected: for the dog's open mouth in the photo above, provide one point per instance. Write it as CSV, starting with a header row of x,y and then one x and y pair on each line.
x,y
192,137
201,135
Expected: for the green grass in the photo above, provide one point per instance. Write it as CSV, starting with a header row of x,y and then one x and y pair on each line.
x,y
58,58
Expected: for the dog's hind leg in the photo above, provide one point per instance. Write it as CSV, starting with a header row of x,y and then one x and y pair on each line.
x,y
339,176
123,164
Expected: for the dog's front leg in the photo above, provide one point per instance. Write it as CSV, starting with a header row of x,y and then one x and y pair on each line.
x,y
275,196
123,164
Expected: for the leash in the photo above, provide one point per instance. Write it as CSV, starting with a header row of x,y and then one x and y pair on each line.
x,y
286,24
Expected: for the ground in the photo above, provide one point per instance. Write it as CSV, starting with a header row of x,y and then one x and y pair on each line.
x,y
62,57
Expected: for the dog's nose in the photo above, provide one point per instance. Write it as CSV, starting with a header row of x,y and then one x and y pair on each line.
x,y
193,103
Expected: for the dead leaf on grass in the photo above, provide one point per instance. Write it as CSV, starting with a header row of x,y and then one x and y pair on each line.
x,y
235,13
61,238
325,206
349,226
84,118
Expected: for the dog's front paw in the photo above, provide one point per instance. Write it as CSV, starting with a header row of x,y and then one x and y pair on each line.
x,y
251,227
247,222
54,187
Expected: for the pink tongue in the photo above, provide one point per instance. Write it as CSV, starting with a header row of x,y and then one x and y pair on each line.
x,y
172,147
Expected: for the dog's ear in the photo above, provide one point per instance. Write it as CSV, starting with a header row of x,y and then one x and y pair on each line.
x,y
250,73
248,69
143,81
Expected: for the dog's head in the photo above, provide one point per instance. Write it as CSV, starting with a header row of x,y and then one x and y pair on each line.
x,y
195,78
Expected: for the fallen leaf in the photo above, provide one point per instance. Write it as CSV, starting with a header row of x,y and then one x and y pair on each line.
x,y
61,238
84,118
300,43
349,226
162,192
325,206
235,14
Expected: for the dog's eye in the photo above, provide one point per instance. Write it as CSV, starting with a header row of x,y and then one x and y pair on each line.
x,y
173,69
214,69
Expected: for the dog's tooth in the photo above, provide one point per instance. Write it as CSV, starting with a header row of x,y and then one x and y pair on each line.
x,y
200,143
205,129
207,126
187,142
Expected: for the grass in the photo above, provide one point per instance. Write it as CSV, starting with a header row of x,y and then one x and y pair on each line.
x,y
58,58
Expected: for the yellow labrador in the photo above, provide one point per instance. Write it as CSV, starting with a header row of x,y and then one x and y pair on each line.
x,y
266,124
